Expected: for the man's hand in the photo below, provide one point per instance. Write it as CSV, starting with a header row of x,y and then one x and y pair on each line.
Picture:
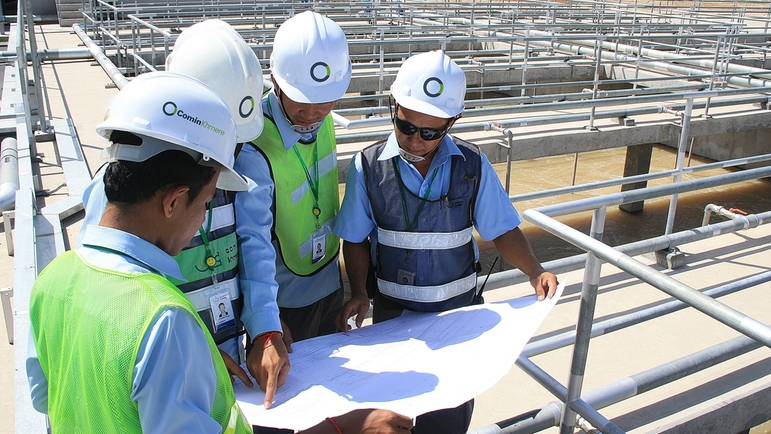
x,y
358,305
234,369
287,336
545,284
365,422
268,362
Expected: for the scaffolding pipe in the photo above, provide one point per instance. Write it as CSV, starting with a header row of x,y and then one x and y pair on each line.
x,y
9,173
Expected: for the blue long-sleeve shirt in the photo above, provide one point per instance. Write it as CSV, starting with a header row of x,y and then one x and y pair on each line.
x,y
493,216
173,381
266,282
94,202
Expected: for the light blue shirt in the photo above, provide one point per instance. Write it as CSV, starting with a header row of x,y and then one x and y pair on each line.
x,y
94,202
173,382
266,282
493,216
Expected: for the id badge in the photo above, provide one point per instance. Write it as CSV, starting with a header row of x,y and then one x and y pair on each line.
x,y
404,277
221,309
319,248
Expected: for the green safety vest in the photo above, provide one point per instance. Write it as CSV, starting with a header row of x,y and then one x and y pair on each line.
x,y
88,324
294,224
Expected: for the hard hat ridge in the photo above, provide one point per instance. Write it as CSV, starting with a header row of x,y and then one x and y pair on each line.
x,y
213,52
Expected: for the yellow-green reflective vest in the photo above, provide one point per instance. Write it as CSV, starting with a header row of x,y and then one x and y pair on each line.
x,y
294,224
88,324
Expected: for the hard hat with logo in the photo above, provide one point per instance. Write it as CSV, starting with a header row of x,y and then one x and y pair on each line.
x,y
213,52
172,111
430,83
310,59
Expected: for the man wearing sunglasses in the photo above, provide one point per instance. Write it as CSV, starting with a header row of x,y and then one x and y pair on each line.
x,y
411,203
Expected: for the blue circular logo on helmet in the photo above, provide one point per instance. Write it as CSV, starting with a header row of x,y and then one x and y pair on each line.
x,y
169,108
433,87
250,106
320,72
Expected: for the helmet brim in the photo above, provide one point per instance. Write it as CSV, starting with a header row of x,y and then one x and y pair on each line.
x,y
417,105
230,180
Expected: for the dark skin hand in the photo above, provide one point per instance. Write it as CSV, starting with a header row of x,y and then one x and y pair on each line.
x,y
268,362
365,422
234,369
357,257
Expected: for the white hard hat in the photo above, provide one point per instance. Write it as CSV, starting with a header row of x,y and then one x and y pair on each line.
x,y
180,113
310,59
222,59
430,83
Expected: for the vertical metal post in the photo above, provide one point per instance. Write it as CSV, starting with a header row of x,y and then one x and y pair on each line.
x,y
597,65
684,133
508,160
35,65
584,326
6,294
712,73
21,64
524,64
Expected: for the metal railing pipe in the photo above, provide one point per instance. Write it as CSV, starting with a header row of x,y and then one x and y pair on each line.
x,y
592,203
725,314
109,68
663,242
584,325
619,323
628,387
636,178
9,173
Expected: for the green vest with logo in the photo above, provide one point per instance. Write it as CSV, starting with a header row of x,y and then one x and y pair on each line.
x,y
294,223
88,324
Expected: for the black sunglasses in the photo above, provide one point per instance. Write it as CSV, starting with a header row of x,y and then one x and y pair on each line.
x,y
427,134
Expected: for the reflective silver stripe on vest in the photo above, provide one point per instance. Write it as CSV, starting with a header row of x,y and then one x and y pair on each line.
x,y
427,294
306,247
424,240
325,165
221,217
200,297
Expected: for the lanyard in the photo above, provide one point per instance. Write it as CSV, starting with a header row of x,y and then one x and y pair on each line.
x,y
211,261
313,182
411,225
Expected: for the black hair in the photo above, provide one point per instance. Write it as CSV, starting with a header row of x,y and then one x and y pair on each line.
x,y
131,182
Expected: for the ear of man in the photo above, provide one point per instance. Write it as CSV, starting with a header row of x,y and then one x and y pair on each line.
x,y
174,199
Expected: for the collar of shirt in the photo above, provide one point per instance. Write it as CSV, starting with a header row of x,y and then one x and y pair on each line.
x,y
447,148
132,247
288,135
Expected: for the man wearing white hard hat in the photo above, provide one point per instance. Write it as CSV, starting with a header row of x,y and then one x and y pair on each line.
x,y
214,53
289,255
115,346
411,202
